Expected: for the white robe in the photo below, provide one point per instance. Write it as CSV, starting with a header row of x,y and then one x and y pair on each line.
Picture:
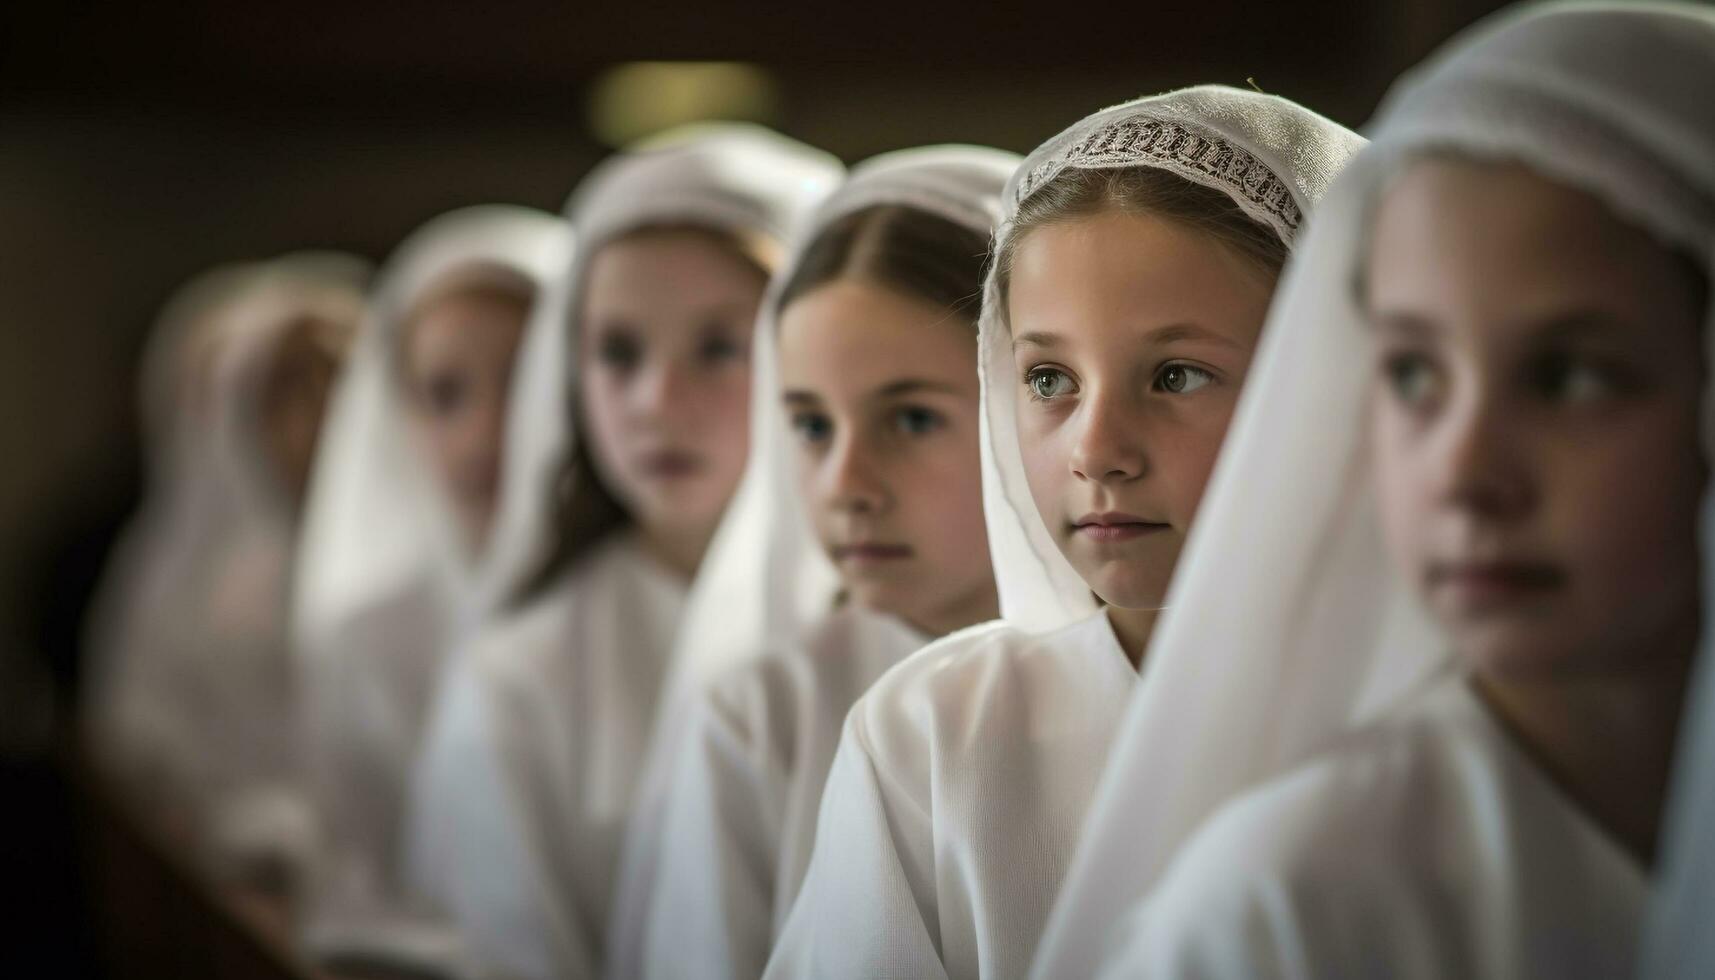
x,y
520,800
1426,846
740,818
953,804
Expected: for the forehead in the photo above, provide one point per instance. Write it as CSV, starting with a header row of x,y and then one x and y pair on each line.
x,y
465,324
851,335
631,271
1452,234
1088,276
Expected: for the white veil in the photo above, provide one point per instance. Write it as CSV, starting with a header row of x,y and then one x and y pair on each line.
x,y
1228,139
385,583
191,666
766,581
1285,622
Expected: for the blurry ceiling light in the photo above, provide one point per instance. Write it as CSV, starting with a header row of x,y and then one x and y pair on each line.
x,y
640,98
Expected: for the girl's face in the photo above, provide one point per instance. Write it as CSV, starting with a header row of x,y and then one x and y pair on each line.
x,y
881,389
664,377
1535,424
1131,337
458,366
294,396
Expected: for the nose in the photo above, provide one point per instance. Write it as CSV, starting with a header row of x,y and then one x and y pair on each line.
x,y
661,387
1109,446
1480,469
853,483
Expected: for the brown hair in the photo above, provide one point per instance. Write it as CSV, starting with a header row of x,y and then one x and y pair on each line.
x,y
585,511
903,248
1078,193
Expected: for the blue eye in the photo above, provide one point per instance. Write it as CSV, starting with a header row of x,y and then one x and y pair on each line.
x,y
1047,383
1181,379
1412,377
811,427
917,421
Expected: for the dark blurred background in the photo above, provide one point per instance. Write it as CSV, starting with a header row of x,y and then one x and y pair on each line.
x,y
140,146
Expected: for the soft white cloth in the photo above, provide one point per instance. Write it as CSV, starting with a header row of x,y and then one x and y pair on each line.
x,y
1302,878
557,700
385,581
955,799
767,585
192,689
519,802
1286,625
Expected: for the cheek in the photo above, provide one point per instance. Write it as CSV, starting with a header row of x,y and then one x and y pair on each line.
x,y
1401,491
1045,458
599,406
1627,511
948,506
1186,458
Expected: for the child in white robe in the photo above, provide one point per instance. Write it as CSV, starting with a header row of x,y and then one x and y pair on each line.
x,y
1490,409
1134,264
627,439
395,536
866,398
192,704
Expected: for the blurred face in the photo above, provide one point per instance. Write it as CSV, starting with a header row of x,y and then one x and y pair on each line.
x,y
458,361
665,379
881,389
1535,425
294,395
1131,337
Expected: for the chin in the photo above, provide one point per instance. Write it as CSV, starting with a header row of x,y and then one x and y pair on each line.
x,y
1129,594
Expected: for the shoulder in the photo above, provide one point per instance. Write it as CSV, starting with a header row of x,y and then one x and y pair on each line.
x,y
1309,866
964,688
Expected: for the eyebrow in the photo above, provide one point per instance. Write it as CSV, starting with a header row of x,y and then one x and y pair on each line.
x,y
893,389
909,386
1157,335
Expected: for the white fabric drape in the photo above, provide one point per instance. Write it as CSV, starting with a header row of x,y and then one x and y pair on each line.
x,y
961,780
757,745
1286,626
192,696
385,581
554,703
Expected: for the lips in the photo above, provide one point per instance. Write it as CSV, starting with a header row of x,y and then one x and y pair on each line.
x,y
669,464
869,553
1494,583
1115,526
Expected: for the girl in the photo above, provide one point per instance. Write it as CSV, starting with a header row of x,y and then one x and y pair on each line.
x,y
1498,329
193,708
1133,267
639,364
875,325
395,533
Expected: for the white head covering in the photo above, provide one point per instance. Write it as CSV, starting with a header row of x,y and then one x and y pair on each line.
x,y
192,670
385,582
1271,156
737,179
1286,624
378,518
766,582
722,176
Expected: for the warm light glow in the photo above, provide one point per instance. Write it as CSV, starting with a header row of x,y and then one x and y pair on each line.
x,y
638,99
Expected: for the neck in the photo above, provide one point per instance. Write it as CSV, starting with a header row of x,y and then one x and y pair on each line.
x,y
978,607
1607,740
679,551
1132,627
